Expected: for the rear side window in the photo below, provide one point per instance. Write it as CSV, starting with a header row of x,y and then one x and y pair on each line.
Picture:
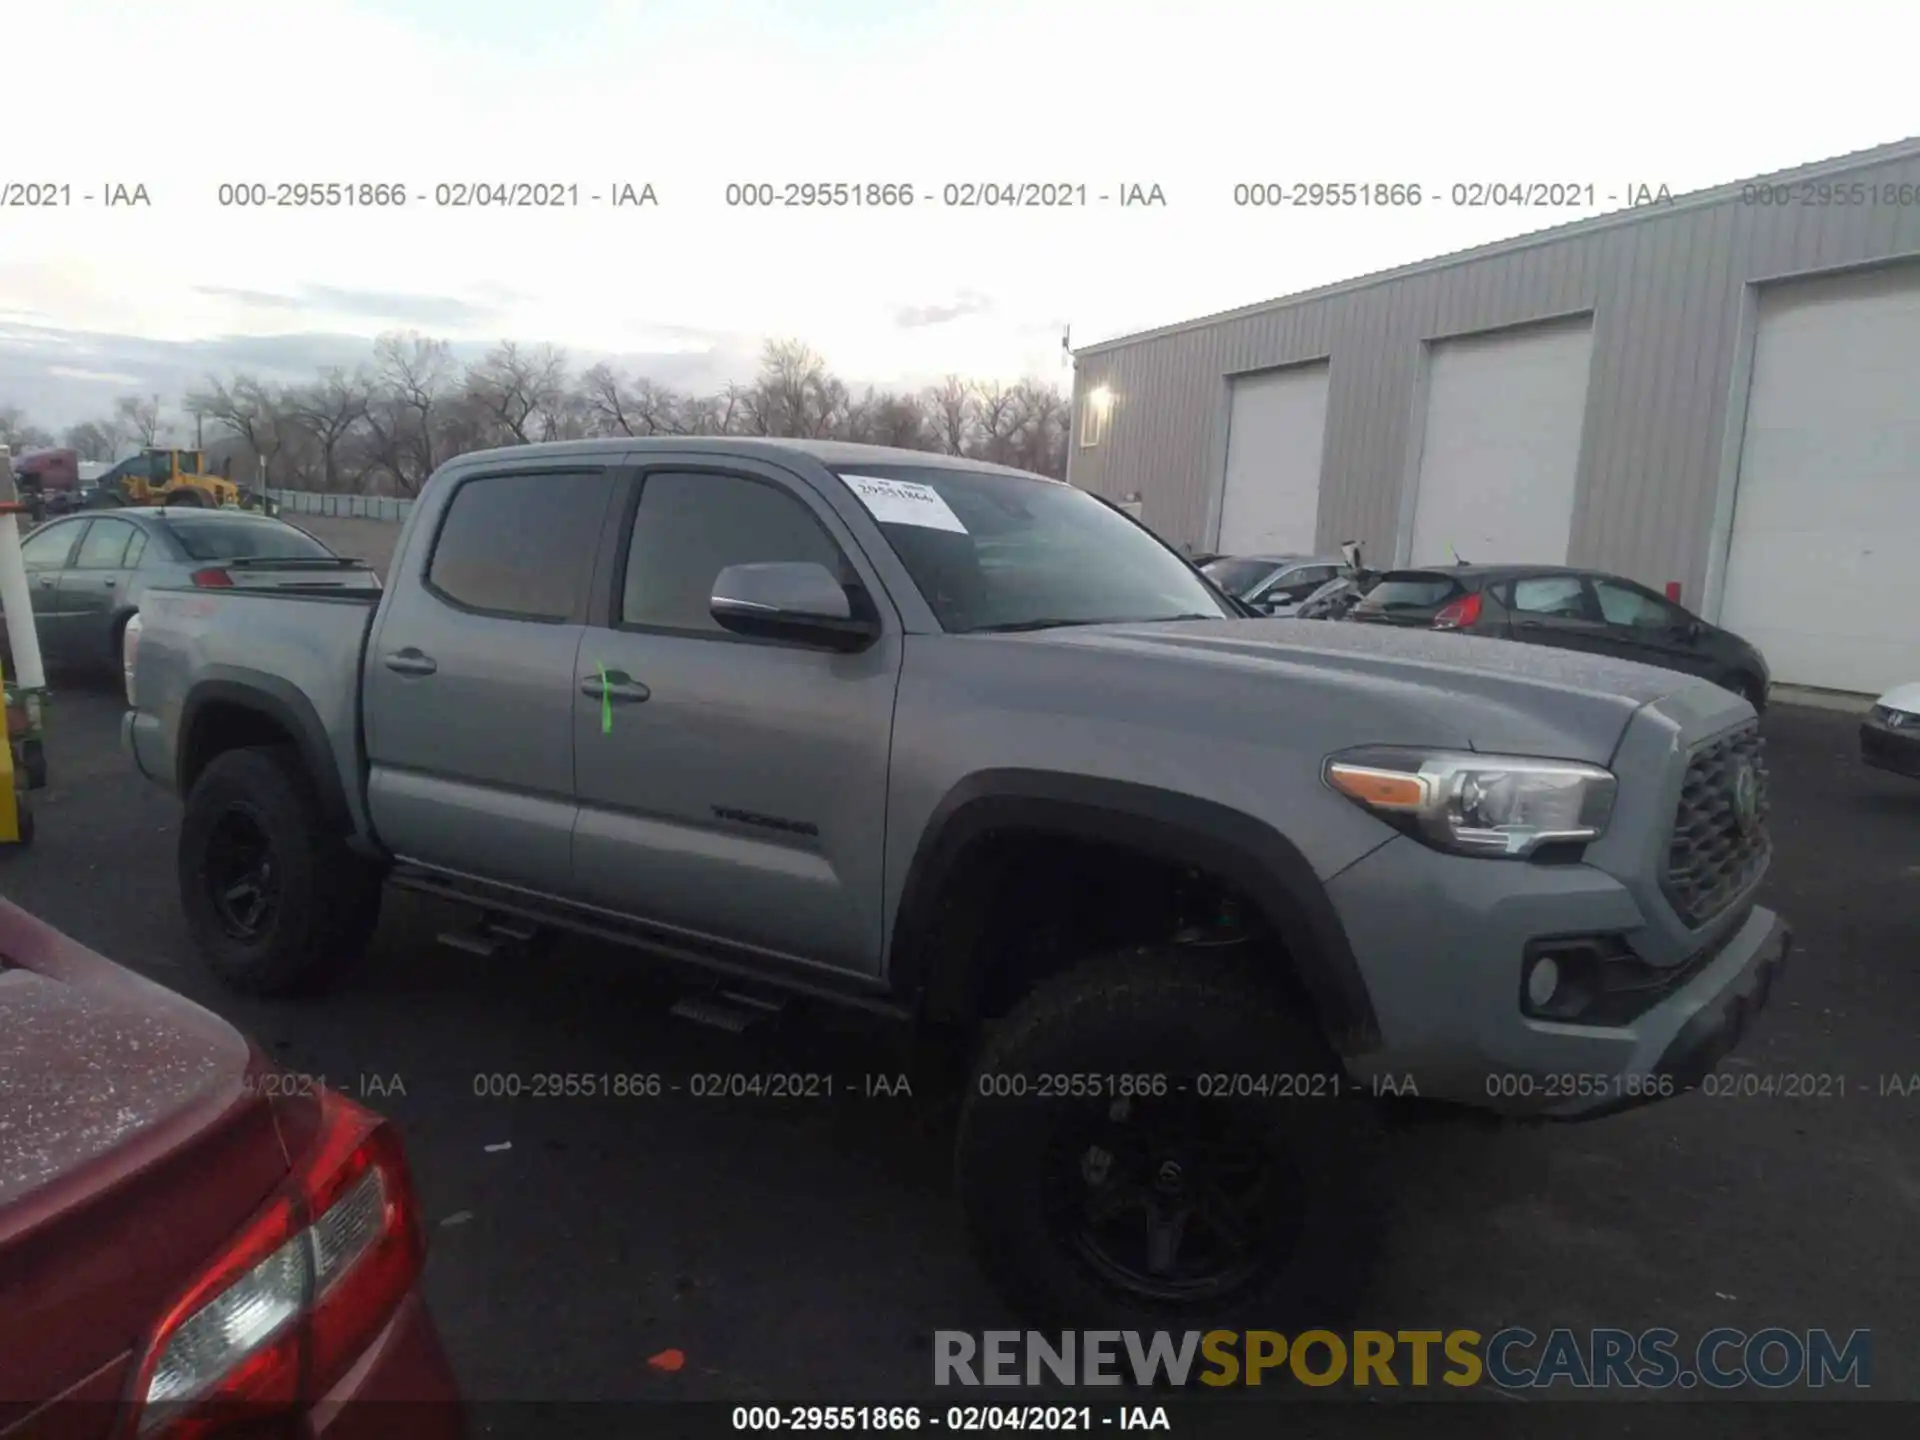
x,y
1411,592
1560,596
520,546
105,547
48,549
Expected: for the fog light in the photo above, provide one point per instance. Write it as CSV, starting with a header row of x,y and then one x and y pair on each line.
x,y
1542,981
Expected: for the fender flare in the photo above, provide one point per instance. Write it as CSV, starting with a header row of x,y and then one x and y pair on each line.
x,y
1247,853
277,700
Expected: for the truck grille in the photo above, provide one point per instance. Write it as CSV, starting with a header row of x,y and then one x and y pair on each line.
x,y
1720,838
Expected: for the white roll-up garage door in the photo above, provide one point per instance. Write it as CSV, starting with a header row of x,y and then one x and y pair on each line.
x,y
1822,572
1276,428
1500,453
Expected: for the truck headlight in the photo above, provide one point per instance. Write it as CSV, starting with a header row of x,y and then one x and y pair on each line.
x,y
1507,806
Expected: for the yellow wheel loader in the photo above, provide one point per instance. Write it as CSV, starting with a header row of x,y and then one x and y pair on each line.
x,y
167,477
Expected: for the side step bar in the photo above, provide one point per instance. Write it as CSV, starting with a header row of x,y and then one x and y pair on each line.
x,y
734,1011
493,934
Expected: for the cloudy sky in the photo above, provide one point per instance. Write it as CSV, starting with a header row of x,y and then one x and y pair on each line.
x,y
182,96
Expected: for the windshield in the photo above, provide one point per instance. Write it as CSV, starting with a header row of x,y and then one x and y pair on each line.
x,y
243,537
1238,577
998,552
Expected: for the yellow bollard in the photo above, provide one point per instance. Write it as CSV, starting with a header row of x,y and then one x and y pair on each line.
x,y
16,815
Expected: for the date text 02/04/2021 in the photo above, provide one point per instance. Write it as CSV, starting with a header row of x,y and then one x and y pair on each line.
x,y
959,1419
1216,1085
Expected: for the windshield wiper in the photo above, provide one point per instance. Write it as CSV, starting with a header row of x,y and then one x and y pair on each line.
x,y
1015,627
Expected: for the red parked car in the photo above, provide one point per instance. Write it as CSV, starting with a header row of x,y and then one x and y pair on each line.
x,y
189,1237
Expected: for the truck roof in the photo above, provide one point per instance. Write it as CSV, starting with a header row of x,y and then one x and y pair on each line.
x,y
834,454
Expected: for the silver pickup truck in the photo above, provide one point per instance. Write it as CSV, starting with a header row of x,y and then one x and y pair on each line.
x,y
1192,892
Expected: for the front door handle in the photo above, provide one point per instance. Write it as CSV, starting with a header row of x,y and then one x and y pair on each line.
x,y
616,686
111,582
49,581
410,662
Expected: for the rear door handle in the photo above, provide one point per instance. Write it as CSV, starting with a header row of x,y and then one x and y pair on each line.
x,y
49,581
618,687
410,662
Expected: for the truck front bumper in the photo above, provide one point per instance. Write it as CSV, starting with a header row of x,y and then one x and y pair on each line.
x,y
1443,941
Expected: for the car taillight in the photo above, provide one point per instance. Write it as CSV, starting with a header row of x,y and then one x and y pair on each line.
x,y
212,578
1458,614
129,651
279,1317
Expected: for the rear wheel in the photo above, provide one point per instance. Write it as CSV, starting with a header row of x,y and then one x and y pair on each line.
x,y
274,899
1154,1140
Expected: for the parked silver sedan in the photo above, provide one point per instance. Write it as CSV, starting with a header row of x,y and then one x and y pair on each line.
x,y
88,571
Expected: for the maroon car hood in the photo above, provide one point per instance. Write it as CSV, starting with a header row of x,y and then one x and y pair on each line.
x,y
131,1146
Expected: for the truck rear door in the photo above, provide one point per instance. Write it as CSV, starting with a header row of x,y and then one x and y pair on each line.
x,y
470,676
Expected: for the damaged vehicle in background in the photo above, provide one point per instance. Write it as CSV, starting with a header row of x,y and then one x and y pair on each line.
x,y
1569,609
1890,735
1272,584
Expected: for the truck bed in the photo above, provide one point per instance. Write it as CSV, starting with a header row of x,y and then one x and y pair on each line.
x,y
304,648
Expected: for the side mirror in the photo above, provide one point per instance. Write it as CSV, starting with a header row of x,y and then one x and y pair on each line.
x,y
790,600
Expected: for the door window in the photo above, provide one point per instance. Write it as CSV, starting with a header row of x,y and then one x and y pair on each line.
x,y
520,546
105,547
690,527
1557,597
49,548
1623,605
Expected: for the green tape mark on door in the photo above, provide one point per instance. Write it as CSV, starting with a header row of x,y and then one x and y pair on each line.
x,y
606,701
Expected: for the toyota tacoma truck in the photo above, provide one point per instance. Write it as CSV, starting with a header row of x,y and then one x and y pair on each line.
x,y
1191,892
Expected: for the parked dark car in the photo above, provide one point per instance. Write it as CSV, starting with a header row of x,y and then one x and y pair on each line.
x,y
1890,735
88,573
1272,584
188,1233
1571,609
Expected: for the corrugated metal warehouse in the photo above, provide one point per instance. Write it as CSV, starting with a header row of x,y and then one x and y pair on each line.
x,y
1722,391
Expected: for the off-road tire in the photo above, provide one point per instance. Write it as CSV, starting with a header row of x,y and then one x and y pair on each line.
x,y
329,898
1179,1013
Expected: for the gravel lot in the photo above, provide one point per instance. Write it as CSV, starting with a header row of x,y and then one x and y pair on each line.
x,y
797,1249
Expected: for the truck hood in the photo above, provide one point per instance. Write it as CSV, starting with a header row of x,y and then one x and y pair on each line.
x,y
1465,690
132,1144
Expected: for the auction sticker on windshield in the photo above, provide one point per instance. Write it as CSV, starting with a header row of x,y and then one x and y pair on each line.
x,y
902,502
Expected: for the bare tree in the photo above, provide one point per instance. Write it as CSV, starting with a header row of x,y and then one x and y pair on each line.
x,y
18,434
618,406
92,440
414,407
413,376
952,409
517,389
328,412
140,416
251,413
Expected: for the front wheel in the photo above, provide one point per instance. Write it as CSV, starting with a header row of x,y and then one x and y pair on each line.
x,y
274,899
1155,1141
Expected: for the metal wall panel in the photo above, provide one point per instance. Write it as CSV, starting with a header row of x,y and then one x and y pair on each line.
x,y
1666,285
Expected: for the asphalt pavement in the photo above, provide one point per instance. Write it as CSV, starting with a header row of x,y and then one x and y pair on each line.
x,y
808,1248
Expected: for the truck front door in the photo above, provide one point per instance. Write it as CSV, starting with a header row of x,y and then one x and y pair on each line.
x,y
729,788
468,700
